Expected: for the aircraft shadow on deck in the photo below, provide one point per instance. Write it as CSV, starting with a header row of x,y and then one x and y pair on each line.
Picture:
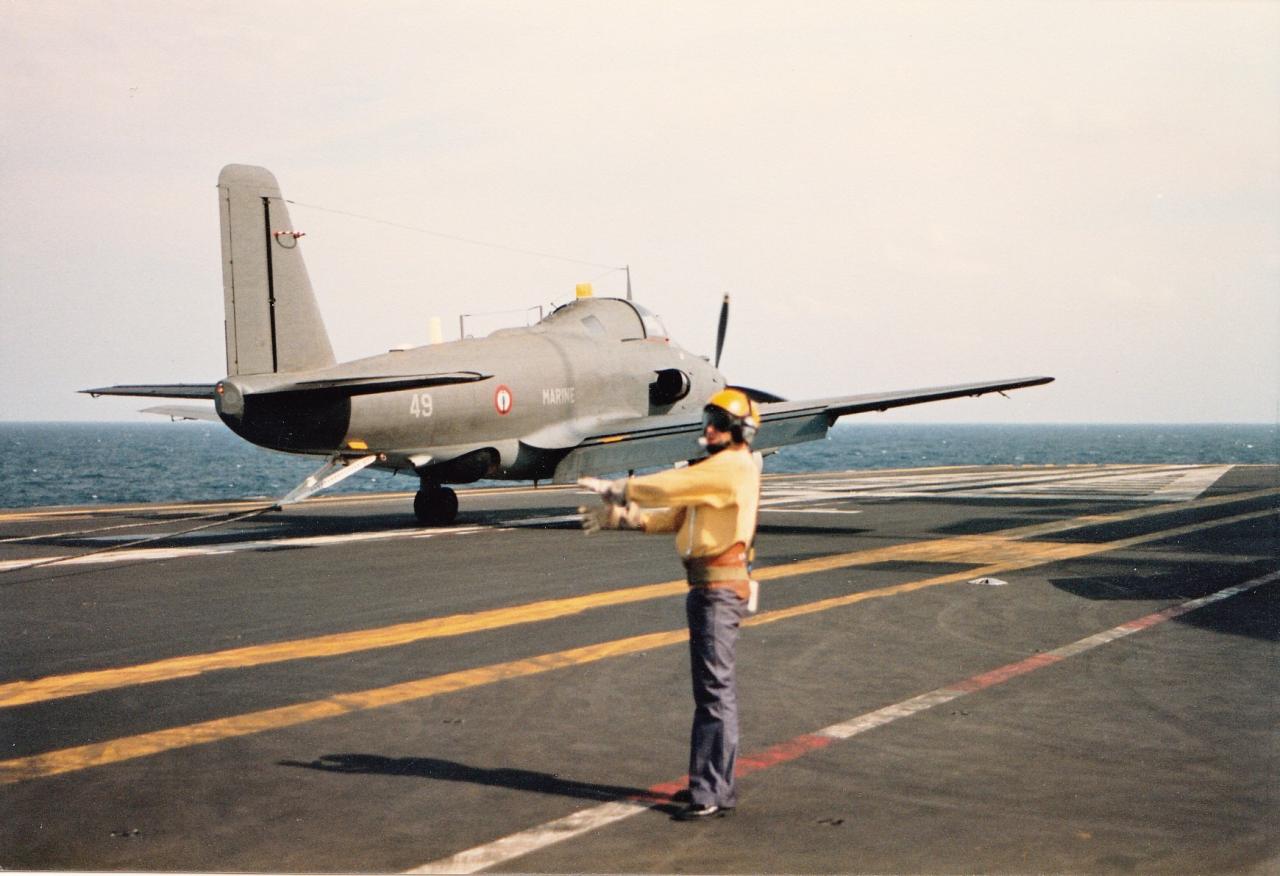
x,y
452,771
792,529
1254,614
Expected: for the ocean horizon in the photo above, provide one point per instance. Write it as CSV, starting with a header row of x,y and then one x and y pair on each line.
x,y
89,463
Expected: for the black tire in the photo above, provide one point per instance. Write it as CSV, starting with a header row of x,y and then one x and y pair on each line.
x,y
437,506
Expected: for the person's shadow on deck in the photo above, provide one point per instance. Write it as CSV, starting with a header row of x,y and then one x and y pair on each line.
x,y
499,777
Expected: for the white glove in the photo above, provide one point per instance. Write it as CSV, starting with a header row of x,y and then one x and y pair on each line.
x,y
611,517
613,492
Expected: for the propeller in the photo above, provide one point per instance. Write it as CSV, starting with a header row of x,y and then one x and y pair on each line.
x,y
724,324
756,395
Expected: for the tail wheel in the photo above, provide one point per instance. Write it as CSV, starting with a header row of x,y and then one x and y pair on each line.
x,y
435,506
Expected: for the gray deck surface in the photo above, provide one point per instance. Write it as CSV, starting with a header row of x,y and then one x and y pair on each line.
x,y
494,688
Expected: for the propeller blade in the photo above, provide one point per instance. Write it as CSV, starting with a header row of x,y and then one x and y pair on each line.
x,y
724,324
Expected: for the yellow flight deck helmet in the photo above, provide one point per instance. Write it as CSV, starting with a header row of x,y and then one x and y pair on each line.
x,y
732,410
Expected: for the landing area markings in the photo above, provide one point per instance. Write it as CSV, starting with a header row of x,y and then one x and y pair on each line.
x,y
516,845
1128,483
1002,553
992,553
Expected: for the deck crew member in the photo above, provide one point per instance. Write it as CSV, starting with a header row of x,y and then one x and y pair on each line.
x,y
712,506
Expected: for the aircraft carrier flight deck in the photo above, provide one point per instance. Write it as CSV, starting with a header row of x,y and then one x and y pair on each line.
x,y
1068,669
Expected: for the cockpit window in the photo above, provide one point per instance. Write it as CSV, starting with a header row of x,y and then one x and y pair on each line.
x,y
653,326
610,317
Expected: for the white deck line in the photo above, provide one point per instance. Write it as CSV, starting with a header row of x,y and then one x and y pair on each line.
x,y
508,848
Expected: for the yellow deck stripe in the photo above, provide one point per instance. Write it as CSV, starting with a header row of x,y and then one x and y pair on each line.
x,y
128,748
56,686
1004,547
141,745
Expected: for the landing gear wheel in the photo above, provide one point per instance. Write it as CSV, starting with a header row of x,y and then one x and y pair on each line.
x,y
435,506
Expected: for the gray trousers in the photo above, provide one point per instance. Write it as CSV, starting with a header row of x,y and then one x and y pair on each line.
x,y
714,615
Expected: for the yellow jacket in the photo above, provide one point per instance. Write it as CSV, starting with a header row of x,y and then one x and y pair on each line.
x,y
710,505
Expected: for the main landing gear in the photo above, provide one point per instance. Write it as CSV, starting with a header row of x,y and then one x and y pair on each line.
x,y
435,505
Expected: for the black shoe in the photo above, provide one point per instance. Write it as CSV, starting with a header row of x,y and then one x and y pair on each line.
x,y
684,796
698,811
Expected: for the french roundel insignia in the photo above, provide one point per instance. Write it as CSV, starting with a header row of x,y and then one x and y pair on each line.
x,y
503,400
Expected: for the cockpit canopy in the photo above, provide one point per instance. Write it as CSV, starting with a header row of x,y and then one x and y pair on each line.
x,y
613,318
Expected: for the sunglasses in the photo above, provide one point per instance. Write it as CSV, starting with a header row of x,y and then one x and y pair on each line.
x,y
719,419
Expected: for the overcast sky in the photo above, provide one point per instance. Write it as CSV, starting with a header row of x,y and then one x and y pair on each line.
x,y
895,194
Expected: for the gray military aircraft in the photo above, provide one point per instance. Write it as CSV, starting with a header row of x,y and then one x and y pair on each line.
x,y
596,387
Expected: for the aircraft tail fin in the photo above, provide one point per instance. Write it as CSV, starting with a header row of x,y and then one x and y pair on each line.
x,y
272,321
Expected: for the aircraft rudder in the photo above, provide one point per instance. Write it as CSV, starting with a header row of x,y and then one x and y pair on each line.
x,y
273,323
249,178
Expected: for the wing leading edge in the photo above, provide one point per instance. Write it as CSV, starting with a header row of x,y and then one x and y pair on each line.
x,y
785,423
348,386
157,390
653,441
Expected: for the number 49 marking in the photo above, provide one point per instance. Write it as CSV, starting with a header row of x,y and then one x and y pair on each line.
x,y
420,405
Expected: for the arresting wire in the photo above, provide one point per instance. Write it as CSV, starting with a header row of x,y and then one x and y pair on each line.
x,y
141,524
226,518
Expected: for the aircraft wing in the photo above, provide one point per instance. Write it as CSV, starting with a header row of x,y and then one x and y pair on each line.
x,y
348,386
625,445
184,412
882,401
645,442
791,422
369,385
157,390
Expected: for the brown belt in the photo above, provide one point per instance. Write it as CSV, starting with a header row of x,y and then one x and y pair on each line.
x,y
729,569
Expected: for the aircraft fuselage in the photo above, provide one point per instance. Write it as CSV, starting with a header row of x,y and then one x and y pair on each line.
x,y
546,387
